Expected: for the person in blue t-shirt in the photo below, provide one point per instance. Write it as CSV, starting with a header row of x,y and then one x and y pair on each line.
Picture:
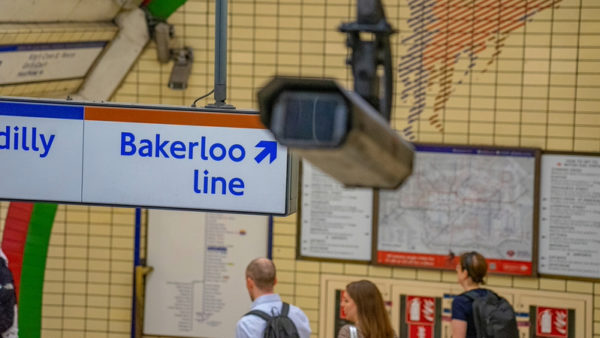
x,y
470,271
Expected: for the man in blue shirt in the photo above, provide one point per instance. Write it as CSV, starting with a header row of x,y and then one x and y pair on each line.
x,y
260,281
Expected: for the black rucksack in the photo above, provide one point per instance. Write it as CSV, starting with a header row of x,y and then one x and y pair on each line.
x,y
8,298
278,326
494,316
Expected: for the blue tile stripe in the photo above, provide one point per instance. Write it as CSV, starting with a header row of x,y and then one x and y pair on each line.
x,y
52,46
469,150
42,110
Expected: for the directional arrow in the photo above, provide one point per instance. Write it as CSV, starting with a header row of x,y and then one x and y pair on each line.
x,y
270,148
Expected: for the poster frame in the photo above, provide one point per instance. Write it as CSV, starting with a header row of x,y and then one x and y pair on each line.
x,y
552,275
452,258
299,237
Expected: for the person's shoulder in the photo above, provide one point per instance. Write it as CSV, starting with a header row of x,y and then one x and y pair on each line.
x,y
344,331
243,327
476,293
483,291
244,321
462,298
460,306
300,320
249,320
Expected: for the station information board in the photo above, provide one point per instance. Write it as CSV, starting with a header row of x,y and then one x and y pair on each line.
x,y
569,235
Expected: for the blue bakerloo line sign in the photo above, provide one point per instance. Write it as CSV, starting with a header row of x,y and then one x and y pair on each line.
x,y
135,155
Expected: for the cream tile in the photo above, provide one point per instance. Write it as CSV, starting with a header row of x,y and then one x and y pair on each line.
x,y
404,273
355,269
525,283
307,302
499,280
307,266
307,290
380,271
334,268
553,284
580,287
429,275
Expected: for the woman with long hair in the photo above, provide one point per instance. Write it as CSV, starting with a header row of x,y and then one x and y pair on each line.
x,y
364,306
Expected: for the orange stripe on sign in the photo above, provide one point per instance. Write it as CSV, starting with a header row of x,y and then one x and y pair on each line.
x,y
186,118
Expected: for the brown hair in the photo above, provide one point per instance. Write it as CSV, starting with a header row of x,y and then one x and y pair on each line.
x,y
475,265
262,272
373,319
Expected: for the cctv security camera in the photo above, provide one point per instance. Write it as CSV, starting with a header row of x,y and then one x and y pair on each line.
x,y
183,58
336,130
163,32
182,68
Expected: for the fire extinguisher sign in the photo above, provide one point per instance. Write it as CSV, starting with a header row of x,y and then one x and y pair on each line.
x,y
552,322
420,316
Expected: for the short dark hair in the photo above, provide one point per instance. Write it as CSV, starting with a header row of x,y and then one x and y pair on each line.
x,y
475,265
262,272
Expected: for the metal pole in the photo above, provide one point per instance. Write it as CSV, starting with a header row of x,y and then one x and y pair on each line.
x,y
220,55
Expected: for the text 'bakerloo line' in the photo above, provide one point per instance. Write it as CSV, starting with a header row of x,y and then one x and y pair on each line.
x,y
204,181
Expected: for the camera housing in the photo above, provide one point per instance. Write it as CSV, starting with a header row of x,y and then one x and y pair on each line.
x,y
182,68
336,130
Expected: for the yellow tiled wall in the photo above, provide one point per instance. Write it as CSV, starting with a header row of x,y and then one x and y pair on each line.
x,y
88,286
88,279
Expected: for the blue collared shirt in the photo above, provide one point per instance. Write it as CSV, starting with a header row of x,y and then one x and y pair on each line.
x,y
253,326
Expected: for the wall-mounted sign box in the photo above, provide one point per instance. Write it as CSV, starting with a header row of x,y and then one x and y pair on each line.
x,y
47,61
569,235
159,156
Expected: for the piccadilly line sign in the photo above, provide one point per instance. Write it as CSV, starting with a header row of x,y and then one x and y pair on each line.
x,y
131,155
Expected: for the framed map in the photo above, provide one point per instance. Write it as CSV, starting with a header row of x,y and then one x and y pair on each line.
x,y
462,198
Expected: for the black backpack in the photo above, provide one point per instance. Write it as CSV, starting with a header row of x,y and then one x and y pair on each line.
x,y
279,326
494,316
8,298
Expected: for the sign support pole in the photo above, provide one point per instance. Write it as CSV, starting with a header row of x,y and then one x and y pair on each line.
x,y
220,56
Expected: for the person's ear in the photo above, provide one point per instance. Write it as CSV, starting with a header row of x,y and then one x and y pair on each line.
x,y
275,282
466,274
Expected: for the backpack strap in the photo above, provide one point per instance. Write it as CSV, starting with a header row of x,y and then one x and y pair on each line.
x,y
285,309
470,296
353,331
259,313
473,294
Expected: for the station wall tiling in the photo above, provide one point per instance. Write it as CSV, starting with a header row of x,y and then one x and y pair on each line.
x,y
533,83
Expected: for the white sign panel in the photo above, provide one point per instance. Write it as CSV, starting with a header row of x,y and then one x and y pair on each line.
x,y
108,154
42,62
570,215
197,287
336,222
183,166
40,152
